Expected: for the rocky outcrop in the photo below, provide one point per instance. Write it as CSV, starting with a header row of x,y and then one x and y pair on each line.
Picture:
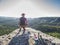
x,y
16,37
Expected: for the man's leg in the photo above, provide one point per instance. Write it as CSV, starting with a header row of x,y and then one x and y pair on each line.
x,y
24,29
19,28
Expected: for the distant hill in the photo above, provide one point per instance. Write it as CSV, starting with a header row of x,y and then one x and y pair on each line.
x,y
32,21
36,23
54,21
8,21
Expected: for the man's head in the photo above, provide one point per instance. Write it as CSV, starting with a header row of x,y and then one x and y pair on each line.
x,y
23,14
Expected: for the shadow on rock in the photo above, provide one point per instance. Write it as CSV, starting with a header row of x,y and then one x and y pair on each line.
x,y
20,39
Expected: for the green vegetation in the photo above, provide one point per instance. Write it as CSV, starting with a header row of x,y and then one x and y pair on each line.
x,y
6,29
54,34
51,30
49,25
7,25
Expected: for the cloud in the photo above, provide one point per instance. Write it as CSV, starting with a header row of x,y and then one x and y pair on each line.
x,y
14,8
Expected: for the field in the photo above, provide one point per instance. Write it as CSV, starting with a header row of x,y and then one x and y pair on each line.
x,y
7,25
55,34
6,29
50,30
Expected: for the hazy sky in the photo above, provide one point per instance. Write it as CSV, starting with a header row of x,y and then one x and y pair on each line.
x,y
32,8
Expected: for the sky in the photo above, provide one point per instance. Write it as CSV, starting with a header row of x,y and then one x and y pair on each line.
x,y
32,8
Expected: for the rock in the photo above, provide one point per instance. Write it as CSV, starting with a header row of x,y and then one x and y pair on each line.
x,y
1,42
